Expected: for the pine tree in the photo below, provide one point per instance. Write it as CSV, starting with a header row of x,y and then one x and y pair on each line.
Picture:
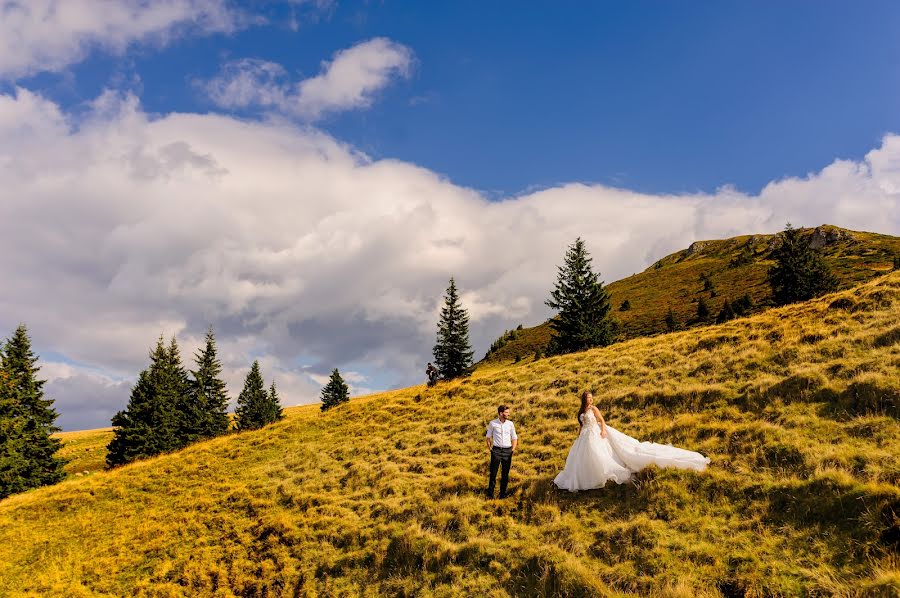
x,y
453,353
702,309
335,392
583,320
205,414
250,413
28,456
799,273
151,423
626,305
273,405
726,313
671,322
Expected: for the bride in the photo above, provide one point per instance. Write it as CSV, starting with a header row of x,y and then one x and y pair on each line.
x,y
602,453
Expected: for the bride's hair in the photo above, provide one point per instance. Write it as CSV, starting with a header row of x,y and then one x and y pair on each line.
x,y
584,397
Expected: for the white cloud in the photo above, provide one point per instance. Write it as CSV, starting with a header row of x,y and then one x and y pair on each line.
x,y
300,250
348,82
49,35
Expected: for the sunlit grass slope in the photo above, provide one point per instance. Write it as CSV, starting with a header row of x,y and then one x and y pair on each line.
x,y
84,451
798,408
735,266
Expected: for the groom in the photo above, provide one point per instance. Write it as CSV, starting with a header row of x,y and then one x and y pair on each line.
x,y
501,441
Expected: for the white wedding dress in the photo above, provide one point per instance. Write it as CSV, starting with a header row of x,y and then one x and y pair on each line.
x,y
594,460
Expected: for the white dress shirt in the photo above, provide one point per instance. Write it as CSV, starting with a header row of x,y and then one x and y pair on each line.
x,y
502,433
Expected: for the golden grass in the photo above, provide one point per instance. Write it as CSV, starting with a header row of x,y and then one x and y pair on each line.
x,y
798,407
84,451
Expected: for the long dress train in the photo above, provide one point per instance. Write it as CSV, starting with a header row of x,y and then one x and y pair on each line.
x,y
594,460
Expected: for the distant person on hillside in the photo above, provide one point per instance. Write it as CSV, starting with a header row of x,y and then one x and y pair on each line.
x,y
501,442
601,453
432,374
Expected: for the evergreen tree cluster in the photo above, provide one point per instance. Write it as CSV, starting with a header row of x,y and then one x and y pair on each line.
x,y
583,320
335,392
799,273
257,407
507,336
28,450
170,408
734,309
452,352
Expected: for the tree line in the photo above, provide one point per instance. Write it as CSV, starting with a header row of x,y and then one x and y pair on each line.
x,y
171,407
583,318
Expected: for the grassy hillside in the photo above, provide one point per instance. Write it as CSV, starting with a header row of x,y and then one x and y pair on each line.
x,y
798,408
85,450
735,266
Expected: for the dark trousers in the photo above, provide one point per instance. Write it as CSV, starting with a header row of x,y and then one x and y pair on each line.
x,y
501,458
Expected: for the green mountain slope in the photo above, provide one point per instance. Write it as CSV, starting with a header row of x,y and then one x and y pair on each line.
x,y
735,266
798,408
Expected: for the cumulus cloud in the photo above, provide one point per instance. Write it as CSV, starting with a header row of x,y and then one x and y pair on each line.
x,y
306,254
49,35
349,81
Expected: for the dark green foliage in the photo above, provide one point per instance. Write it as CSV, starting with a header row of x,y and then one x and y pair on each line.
x,y
205,412
726,313
517,358
702,309
799,273
255,407
897,262
274,404
507,336
335,392
519,327
626,305
583,320
152,421
671,322
743,258
27,420
538,354
707,282
743,305
453,353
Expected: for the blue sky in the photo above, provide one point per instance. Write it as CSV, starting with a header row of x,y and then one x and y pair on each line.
x,y
306,176
505,97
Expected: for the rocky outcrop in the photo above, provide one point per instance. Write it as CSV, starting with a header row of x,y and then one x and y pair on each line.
x,y
828,236
695,248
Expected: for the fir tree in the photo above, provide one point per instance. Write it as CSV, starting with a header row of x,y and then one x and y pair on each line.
x,y
206,413
28,456
626,305
253,409
273,405
671,322
897,262
583,320
453,353
702,309
799,272
151,423
726,313
335,392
